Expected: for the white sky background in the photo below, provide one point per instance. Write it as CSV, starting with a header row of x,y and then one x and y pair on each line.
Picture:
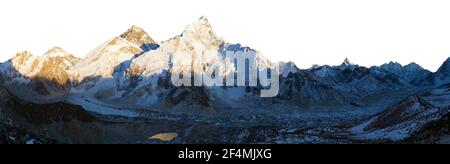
x,y
369,32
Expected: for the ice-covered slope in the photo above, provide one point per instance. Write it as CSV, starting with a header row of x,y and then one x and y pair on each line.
x,y
95,74
142,78
101,62
134,71
145,79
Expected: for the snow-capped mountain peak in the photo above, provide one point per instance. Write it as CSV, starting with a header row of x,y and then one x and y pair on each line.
x,y
45,75
103,60
132,76
347,62
29,65
23,62
56,52
200,29
60,58
21,57
138,36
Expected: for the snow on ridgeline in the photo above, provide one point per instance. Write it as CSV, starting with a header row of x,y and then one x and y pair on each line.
x,y
29,65
401,121
39,77
133,69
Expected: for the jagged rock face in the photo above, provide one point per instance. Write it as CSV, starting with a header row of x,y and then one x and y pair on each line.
x,y
445,68
55,58
288,68
356,81
347,62
101,71
129,76
24,62
339,85
406,118
197,41
100,74
442,76
101,62
139,37
303,89
197,49
47,75
122,71
412,73
53,76
405,111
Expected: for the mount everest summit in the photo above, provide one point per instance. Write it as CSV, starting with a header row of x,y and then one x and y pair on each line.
x,y
129,77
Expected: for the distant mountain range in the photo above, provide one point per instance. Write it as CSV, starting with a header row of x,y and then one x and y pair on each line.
x,y
129,76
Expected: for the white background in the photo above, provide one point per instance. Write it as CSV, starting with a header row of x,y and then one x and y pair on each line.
x,y
369,32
